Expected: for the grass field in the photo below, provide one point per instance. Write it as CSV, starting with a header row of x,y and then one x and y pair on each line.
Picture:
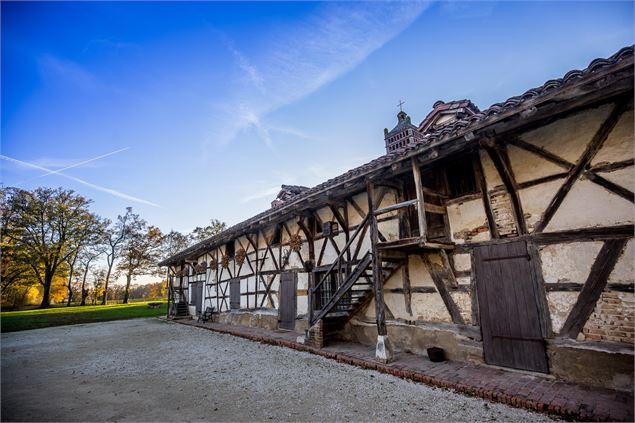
x,y
33,319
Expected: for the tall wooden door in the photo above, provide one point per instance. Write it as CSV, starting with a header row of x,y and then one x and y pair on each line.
x,y
234,294
287,309
199,296
508,304
196,298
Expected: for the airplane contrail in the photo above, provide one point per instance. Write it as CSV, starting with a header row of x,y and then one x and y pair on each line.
x,y
82,163
81,181
52,172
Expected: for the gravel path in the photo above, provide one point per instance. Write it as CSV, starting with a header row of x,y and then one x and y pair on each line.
x,y
149,370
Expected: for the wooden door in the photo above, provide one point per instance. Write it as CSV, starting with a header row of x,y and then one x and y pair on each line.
x,y
507,297
234,294
198,291
194,297
287,309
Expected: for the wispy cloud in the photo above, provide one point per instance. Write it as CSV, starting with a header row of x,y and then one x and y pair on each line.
x,y
267,192
110,191
54,67
301,59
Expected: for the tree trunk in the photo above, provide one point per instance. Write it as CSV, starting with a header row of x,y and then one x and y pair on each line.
x,y
84,290
70,288
125,295
46,294
105,297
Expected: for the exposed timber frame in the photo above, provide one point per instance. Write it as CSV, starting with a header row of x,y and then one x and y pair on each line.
x,y
498,154
593,287
584,161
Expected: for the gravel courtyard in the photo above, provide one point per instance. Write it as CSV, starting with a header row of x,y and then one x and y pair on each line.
x,y
151,370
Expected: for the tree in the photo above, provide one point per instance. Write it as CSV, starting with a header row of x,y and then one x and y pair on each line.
x,y
86,258
94,240
201,233
140,251
174,242
99,277
115,237
45,225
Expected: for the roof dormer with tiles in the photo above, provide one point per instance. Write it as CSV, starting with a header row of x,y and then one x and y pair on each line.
x,y
445,113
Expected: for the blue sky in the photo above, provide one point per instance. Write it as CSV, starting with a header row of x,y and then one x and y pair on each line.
x,y
201,110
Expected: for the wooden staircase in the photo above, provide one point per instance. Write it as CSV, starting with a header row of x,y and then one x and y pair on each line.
x,y
180,309
336,302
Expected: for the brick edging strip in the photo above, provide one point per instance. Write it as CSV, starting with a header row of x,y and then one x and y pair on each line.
x,y
556,407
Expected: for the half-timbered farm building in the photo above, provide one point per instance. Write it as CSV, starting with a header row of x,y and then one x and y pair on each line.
x,y
503,236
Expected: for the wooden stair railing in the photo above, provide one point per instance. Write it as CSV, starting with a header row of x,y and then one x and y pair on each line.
x,y
353,277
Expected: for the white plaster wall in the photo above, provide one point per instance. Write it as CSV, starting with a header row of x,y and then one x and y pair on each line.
x,y
467,217
354,218
567,138
464,280
568,262
462,262
250,284
624,271
294,259
492,179
394,281
560,305
222,287
389,229
623,177
619,144
419,275
302,305
430,307
590,205
463,301
535,200
329,252
396,304
325,214
303,281
529,166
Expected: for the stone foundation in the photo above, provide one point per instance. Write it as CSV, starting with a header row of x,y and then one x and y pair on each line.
x,y
459,343
608,365
592,363
266,319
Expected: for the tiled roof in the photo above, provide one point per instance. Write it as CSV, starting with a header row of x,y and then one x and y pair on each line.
x,y
443,134
440,107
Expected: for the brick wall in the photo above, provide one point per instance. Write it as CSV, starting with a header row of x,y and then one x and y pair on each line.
x,y
315,335
503,214
612,319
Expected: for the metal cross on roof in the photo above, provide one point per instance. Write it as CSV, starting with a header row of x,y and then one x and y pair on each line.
x,y
401,103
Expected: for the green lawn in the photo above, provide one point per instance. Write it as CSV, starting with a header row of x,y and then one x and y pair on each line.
x,y
33,319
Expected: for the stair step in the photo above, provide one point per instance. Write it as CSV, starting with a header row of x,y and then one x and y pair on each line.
x,y
338,314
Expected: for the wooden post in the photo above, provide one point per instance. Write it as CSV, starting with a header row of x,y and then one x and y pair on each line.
x,y
169,279
308,233
380,314
421,213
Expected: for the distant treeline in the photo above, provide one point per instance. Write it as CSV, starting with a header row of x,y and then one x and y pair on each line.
x,y
56,250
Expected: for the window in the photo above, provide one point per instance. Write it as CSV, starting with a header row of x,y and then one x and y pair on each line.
x,y
229,249
277,236
461,179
